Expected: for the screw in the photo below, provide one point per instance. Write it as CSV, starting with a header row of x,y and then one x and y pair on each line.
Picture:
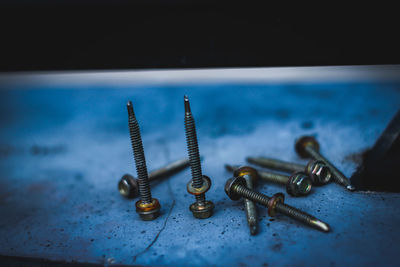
x,y
298,184
251,176
147,207
308,146
236,188
317,170
199,184
128,185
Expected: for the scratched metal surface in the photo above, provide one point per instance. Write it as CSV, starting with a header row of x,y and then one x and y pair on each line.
x,y
63,151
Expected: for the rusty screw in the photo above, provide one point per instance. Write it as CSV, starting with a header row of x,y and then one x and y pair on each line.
x,y
251,177
128,186
298,184
308,147
317,170
199,184
236,188
147,207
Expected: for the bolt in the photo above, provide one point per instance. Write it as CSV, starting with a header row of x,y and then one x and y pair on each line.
x,y
308,147
317,170
251,177
128,185
298,184
236,187
147,207
199,184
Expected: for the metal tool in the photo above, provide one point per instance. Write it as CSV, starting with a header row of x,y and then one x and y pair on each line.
x,y
128,185
298,184
317,170
251,177
199,184
236,188
147,207
308,147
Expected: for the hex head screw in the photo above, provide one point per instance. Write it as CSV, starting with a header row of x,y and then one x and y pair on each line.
x,y
317,170
128,186
199,184
147,207
251,177
236,188
308,147
297,184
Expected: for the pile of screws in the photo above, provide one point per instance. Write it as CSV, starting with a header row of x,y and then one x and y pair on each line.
x,y
319,171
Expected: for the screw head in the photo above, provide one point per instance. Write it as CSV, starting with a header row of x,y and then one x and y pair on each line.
x,y
230,184
299,184
246,170
319,172
304,141
202,211
148,211
128,186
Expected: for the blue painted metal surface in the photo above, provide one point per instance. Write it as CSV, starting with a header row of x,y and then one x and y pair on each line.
x,y
63,151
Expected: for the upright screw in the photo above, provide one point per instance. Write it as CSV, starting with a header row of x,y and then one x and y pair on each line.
x,y
147,207
308,146
128,185
236,188
298,184
317,170
199,184
251,176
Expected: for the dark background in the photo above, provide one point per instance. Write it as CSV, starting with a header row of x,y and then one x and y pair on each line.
x,y
42,35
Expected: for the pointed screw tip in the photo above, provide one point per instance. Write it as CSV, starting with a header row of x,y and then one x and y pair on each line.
x,y
324,227
187,104
350,188
253,229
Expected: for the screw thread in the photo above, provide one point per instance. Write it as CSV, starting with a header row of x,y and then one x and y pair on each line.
x,y
252,195
276,164
294,213
138,154
231,168
282,208
251,209
273,177
168,169
192,146
201,199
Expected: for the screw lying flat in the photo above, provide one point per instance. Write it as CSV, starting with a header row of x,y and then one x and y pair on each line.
x,y
298,184
147,207
317,170
199,184
236,188
251,176
308,146
128,185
